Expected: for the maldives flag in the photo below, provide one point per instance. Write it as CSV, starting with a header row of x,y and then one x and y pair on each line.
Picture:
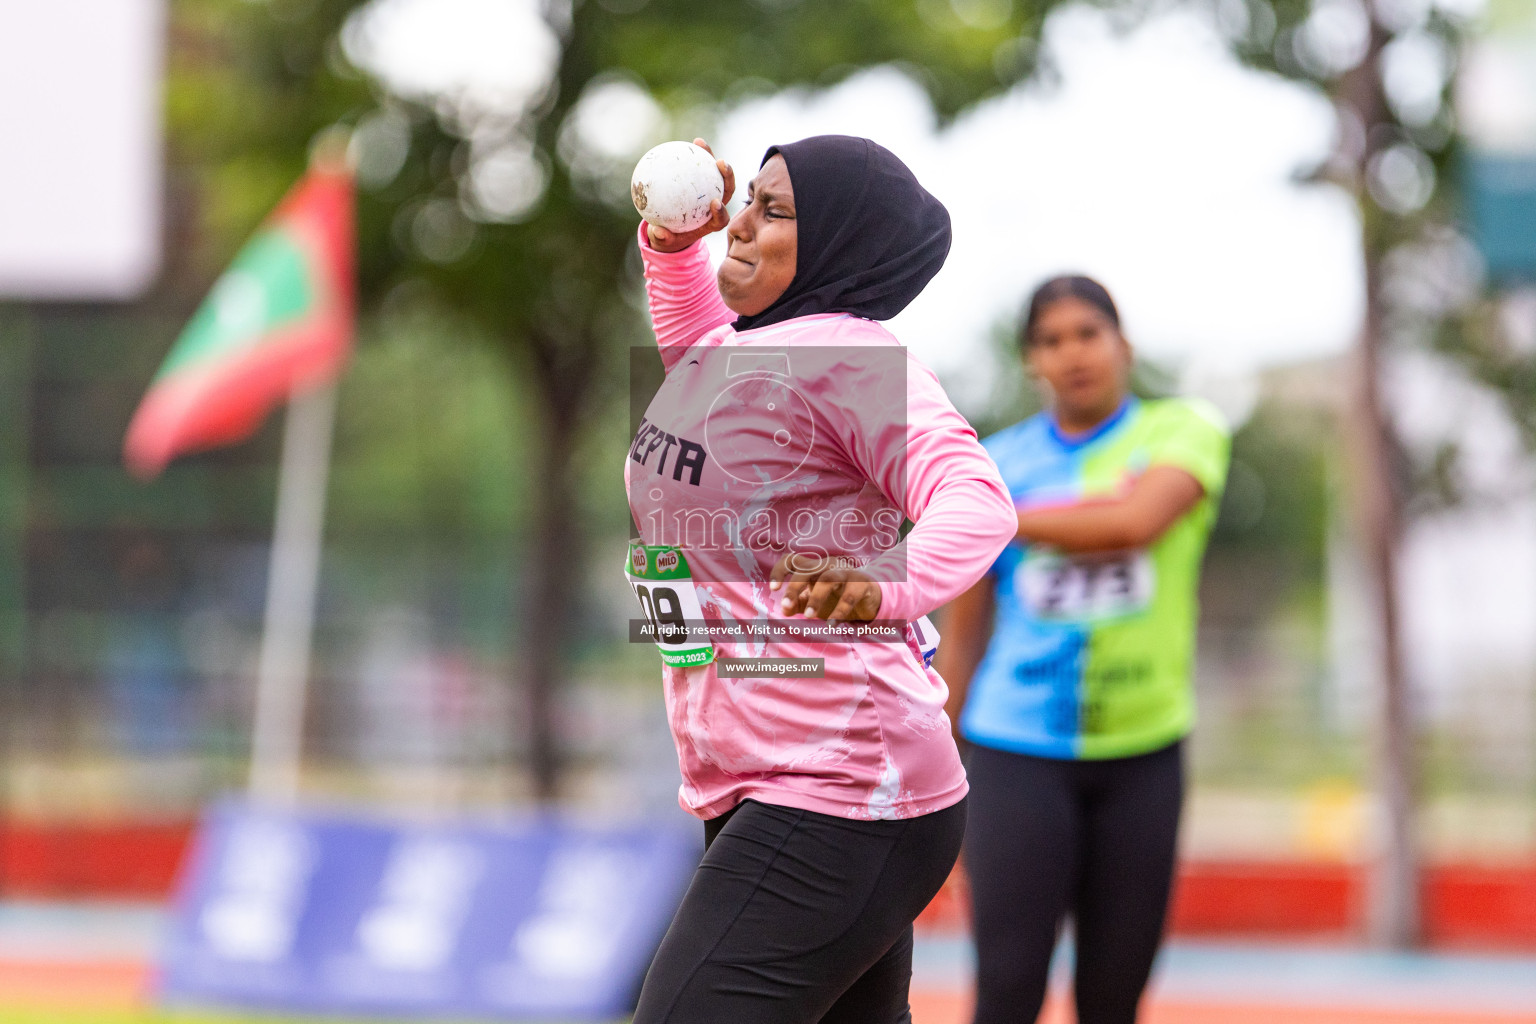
x,y
279,321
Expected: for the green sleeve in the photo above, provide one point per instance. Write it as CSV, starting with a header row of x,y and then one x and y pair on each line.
x,y
1193,437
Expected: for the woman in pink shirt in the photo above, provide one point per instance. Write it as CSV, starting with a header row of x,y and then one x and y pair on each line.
x,y
769,482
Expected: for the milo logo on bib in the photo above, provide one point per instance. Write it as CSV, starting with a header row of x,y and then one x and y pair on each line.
x,y
670,613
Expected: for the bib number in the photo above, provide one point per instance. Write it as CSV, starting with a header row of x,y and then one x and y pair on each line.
x,y
669,606
1086,589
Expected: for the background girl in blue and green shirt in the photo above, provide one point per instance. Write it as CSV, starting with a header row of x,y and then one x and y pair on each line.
x,y
1072,662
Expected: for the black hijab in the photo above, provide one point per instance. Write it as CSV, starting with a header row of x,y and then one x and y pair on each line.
x,y
869,236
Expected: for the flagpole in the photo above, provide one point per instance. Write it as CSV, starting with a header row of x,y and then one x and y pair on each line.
x,y
292,581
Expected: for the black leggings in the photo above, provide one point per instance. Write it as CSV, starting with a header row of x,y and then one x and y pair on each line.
x,y
1047,838
796,917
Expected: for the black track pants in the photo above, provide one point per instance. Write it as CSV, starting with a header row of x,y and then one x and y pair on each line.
x,y
796,917
1048,838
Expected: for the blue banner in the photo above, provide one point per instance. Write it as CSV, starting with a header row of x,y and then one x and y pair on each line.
x,y
550,919
1500,192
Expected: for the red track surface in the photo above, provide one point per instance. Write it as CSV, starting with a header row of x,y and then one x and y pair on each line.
x,y
954,1008
1464,906
108,985
125,985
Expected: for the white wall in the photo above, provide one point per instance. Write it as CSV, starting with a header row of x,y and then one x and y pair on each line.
x,y
80,149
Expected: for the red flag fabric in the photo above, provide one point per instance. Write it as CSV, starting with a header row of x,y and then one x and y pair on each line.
x,y
279,321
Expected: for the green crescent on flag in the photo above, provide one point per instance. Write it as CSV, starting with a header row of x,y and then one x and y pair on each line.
x,y
277,322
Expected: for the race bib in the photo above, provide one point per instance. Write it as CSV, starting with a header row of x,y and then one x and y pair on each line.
x,y
669,606
1086,588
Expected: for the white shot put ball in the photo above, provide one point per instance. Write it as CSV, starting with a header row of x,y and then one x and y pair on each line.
x,y
673,185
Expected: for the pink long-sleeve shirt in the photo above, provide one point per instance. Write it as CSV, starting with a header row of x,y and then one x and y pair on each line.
x,y
816,433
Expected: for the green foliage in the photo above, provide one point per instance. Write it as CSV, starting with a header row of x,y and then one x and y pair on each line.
x,y
427,436
684,50
251,84
1421,295
1013,396
248,86
550,285
1276,499
1474,338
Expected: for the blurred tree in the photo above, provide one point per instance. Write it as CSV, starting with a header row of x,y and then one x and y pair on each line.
x,y
1389,66
1494,339
514,210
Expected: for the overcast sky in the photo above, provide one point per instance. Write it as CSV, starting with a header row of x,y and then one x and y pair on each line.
x,y
1155,162
1158,165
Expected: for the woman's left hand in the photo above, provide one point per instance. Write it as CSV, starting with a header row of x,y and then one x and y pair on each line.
x,y
824,587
